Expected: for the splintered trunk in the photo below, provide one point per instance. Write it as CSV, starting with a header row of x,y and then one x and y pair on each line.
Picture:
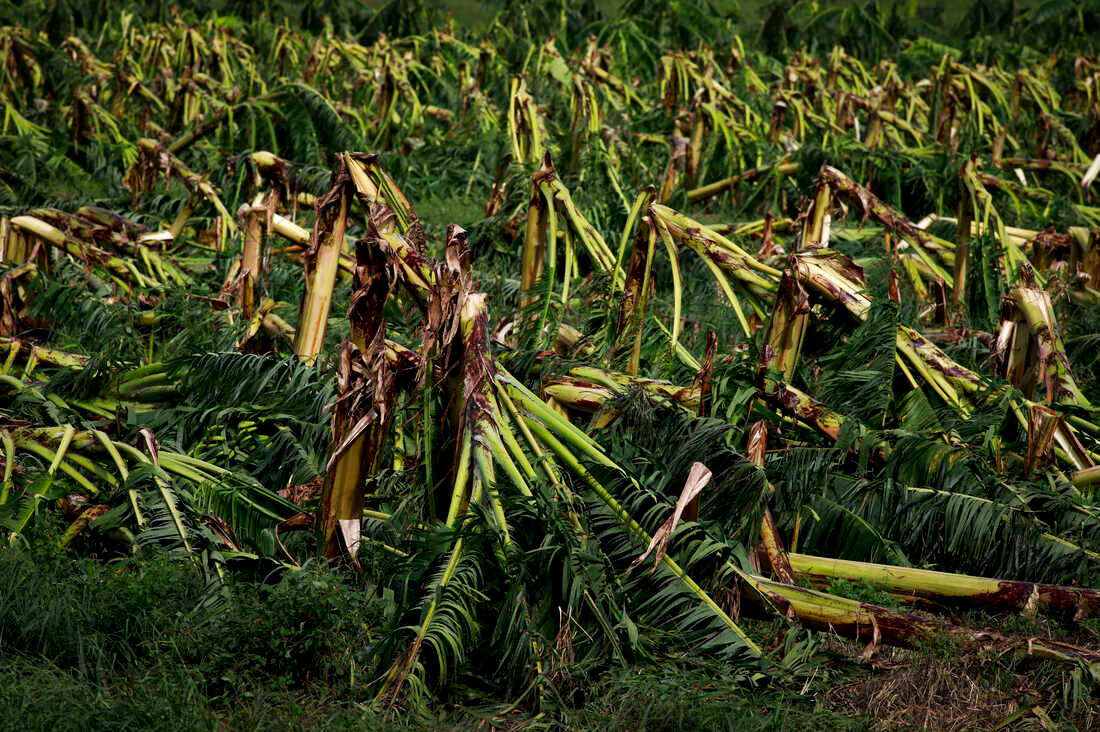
x,y
12,244
551,211
122,271
992,595
15,249
962,241
322,262
586,388
374,185
542,231
1052,369
875,625
253,220
676,162
480,415
865,623
815,232
769,534
923,244
364,408
787,327
704,377
153,161
524,124
186,210
803,407
1084,261
637,288
695,147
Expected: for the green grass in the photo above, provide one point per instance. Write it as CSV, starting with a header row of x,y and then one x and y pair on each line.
x,y
123,646
670,698
126,646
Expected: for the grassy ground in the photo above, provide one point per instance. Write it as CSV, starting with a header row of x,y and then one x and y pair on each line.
x,y
121,646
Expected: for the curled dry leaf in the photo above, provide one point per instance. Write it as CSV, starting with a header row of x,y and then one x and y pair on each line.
x,y
698,477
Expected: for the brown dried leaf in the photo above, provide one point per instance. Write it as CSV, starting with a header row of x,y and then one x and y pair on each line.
x,y
697,479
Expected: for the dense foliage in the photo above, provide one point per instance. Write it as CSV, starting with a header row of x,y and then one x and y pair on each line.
x,y
359,350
